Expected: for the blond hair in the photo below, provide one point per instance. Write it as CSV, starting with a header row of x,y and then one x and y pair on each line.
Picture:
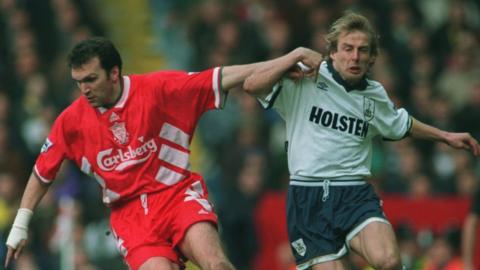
x,y
348,23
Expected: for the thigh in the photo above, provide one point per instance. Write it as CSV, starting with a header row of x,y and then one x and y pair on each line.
x,y
375,242
201,244
159,263
139,234
311,226
191,207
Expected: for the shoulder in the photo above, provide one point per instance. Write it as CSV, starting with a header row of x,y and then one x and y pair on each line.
x,y
76,109
375,90
71,116
160,75
156,78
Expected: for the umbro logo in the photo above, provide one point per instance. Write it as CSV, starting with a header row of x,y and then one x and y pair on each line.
x,y
322,86
114,117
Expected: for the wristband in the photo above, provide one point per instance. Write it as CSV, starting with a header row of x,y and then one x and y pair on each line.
x,y
19,228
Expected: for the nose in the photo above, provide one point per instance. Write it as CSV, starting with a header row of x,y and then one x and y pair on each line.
x,y
355,55
84,88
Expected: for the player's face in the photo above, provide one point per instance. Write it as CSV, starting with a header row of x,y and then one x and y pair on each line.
x,y
95,85
352,57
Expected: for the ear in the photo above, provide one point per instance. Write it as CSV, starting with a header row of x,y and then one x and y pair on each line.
x,y
115,74
332,55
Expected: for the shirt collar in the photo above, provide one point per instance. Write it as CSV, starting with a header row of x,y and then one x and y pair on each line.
x,y
123,98
361,85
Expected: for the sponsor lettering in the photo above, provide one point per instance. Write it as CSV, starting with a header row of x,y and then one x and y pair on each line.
x,y
343,123
119,159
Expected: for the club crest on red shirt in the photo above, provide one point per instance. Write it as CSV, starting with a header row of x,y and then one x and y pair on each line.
x,y
120,133
113,117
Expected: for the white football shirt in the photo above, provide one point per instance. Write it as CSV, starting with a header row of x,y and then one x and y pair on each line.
x,y
330,126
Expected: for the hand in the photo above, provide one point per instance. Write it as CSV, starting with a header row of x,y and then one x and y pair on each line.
x,y
17,238
310,58
16,241
300,70
463,141
308,66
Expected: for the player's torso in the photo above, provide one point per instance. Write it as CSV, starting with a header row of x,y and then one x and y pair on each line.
x,y
324,108
329,130
135,148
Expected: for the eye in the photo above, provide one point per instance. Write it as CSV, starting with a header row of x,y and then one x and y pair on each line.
x,y
364,50
90,79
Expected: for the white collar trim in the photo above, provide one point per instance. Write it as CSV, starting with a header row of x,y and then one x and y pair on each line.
x,y
123,99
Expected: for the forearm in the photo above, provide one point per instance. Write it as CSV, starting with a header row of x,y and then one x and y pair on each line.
x,y
267,73
423,131
237,76
18,235
234,76
468,238
34,192
258,78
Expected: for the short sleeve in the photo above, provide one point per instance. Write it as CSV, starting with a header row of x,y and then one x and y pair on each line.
x,y
54,151
391,123
281,97
189,94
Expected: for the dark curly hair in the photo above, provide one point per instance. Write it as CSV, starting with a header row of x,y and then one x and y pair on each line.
x,y
95,47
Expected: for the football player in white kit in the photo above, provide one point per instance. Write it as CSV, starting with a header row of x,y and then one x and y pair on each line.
x,y
330,123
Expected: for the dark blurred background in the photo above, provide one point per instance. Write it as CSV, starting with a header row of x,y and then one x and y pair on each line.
x,y
429,64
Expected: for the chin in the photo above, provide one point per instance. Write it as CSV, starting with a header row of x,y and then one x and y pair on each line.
x,y
95,105
353,80
355,77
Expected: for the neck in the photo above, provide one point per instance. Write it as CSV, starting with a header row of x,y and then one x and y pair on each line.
x,y
117,92
348,85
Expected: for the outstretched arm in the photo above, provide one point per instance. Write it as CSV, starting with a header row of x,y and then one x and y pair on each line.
x,y
266,74
258,78
457,140
34,192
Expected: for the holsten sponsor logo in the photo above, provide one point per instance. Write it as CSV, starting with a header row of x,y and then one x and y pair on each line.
x,y
118,160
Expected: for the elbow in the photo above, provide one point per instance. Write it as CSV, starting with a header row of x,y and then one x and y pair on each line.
x,y
256,85
249,86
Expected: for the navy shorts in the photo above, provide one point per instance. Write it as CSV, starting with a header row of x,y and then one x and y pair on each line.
x,y
323,217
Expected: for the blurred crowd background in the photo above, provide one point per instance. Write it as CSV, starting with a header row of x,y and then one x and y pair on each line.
x,y
429,64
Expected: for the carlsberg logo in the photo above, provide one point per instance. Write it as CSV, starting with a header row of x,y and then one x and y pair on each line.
x,y
118,160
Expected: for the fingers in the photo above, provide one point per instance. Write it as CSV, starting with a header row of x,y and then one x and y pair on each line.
x,y
295,74
9,256
17,253
473,146
301,70
317,71
467,142
19,249
14,253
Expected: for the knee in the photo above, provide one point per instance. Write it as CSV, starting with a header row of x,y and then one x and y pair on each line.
x,y
389,262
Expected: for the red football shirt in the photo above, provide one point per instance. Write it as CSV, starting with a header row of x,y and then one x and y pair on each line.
x,y
140,145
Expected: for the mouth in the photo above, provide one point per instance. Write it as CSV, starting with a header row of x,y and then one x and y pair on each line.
x,y
90,99
355,70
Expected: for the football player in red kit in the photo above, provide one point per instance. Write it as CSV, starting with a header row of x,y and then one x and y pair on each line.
x,y
132,134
